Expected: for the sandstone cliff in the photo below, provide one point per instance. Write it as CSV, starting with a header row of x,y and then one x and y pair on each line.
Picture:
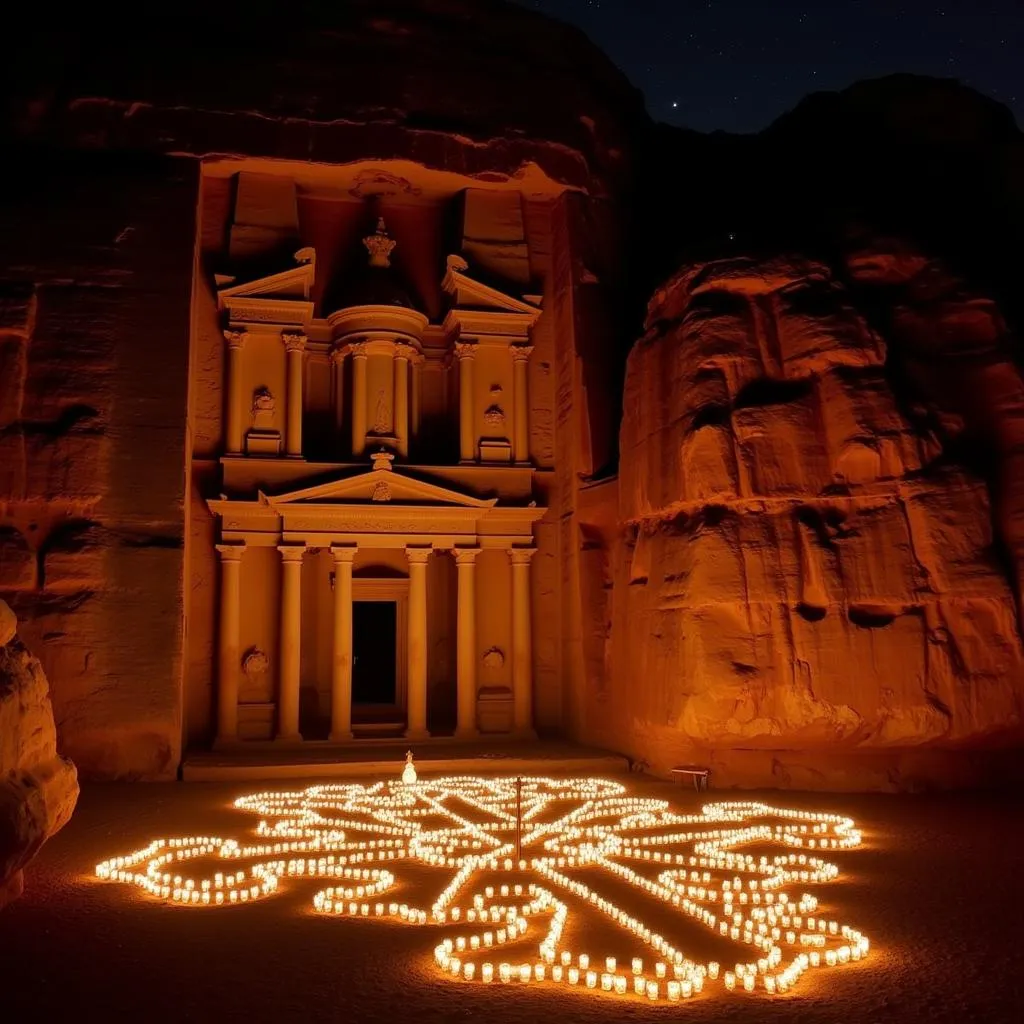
x,y
38,788
814,574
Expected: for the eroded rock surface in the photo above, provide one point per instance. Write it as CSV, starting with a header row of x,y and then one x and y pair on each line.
x,y
38,787
806,568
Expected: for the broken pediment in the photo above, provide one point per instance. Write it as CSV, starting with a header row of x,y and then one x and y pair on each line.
x,y
377,485
467,293
295,283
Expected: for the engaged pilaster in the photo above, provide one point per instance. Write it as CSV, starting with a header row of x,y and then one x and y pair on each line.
x,y
341,663
522,648
228,653
419,558
521,432
295,348
466,352
338,392
401,424
290,649
465,560
359,357
234,425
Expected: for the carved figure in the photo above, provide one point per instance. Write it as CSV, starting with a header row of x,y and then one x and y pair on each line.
x,y
382,418
381,492
494,659
263,407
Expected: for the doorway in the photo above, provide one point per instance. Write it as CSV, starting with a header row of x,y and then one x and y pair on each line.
x,y
374,654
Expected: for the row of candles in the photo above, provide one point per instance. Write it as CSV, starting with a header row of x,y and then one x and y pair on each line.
x,y
311,833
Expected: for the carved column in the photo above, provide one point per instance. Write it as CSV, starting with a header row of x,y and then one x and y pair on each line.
x,y
228,654
341,663
234,427
417,645
522,652
359,358
414,405
295,347
466,351
465,559
290,649
521,411
401,417
338,391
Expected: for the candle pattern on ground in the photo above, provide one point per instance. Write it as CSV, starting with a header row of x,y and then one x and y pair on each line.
x,y
692,865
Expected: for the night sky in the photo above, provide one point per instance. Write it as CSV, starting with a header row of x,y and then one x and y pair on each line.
x,y
736,65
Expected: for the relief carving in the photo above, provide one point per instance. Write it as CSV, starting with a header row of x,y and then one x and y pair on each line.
x,y
381,492
255,688
382,416
494,415
263,407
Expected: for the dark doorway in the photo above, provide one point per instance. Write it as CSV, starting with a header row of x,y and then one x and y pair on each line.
x,y
374,628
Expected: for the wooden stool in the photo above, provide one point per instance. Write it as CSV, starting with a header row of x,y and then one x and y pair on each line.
x,y
699,775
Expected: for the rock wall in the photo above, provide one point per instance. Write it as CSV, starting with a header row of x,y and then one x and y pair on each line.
x,y
809,591
95,283
38,788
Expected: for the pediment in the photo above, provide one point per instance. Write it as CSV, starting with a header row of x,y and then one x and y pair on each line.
x,y
295,283
467,293
378,486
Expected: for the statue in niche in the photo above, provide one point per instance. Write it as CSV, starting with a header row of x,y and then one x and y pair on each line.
x,y
254,668
494,659
382,417
263,409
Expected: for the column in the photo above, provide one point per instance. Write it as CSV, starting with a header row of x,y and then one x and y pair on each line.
x,y
228,654
522,652
466,352
417,643
401,417
290,650
414,405
358,399
233,433
341,663
521,411
465,559
295,348
338,391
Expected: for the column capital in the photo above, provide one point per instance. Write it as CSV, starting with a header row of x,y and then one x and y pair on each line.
x,y
291,552
465,349
465,556
403,350
344,553
294,341
235,336
521,556
358,349
520,353
418,555
337,354
231,552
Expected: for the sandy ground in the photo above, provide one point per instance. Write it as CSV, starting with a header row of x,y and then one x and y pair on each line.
x,y
936,886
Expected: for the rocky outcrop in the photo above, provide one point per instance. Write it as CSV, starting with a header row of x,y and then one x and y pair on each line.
x,y
473,88
806,568
38,787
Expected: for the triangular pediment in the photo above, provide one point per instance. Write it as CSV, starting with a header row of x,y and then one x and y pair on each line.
x,y
378,486
467,293
295,283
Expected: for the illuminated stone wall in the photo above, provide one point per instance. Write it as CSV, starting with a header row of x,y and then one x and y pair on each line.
x,y
96,281
807,590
